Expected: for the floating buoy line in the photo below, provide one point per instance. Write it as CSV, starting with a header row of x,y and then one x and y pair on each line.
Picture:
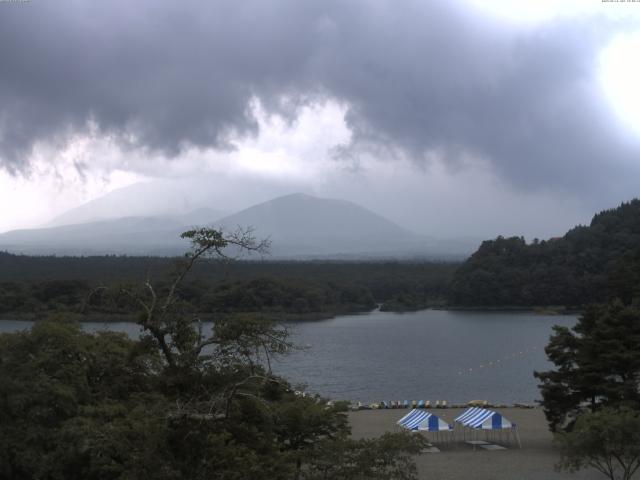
x,y
499,361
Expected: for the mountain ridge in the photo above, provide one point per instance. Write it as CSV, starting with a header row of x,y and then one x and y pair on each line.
x,y
299,226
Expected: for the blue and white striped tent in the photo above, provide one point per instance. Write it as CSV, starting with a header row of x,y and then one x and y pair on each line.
x,y
423,421
492,423
484,419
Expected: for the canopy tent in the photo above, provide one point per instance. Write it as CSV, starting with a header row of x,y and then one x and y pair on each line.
x,y
484,419
423,421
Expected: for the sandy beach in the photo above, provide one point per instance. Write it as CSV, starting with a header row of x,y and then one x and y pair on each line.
x,y
458,460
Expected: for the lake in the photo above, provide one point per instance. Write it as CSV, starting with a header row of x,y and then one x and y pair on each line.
x,y
431,354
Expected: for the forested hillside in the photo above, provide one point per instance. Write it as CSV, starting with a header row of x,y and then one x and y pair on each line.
x,y
36,285
589,264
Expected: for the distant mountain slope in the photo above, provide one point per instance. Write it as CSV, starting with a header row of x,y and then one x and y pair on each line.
x,y
589,264
127,235
152,199
300,224
175,196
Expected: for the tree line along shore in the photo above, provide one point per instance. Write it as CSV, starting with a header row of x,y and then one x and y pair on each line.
x,y
283,290
590,264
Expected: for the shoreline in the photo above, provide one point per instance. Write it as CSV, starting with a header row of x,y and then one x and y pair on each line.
x,y
131,318
537,309
360,406
287,317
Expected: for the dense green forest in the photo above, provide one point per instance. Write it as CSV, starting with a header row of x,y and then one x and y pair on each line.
x,y
36,285
589,264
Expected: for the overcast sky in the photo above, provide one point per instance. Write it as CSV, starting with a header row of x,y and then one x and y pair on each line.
x,y
472,118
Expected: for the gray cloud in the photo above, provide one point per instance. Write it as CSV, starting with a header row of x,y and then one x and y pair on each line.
x,y
417,77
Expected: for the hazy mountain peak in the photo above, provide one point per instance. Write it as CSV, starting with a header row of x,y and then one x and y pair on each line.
x,y
160,198
305,224
306,197
295,196
298,224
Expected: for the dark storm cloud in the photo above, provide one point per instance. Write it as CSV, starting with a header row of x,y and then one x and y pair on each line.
x,y
416,77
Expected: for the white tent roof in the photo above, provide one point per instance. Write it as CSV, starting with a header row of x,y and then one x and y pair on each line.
x,y
484,419
424,421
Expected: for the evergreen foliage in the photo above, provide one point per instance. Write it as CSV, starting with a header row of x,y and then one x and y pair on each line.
x,y
589,264
607,440
42,285
179,403
597,364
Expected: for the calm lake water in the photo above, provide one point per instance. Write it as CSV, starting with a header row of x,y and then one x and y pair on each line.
x,y
430,354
